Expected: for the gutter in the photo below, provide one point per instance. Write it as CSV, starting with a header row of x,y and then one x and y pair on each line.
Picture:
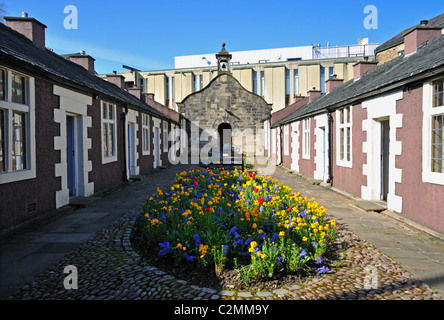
x,y
281,145
330,148
125,146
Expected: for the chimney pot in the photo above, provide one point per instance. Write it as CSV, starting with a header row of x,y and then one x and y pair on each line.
x,y
24,14
424,22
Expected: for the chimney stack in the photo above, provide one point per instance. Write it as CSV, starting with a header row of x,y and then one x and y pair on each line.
x,y
83,60
136,92
313,94
332,83
31,28
116,79
148,97
419,34
362,67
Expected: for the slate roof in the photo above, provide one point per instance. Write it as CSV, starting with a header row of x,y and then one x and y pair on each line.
x,y
399,38
18,50
429,56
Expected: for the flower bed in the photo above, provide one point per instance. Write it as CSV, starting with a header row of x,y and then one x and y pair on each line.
x,y
218,218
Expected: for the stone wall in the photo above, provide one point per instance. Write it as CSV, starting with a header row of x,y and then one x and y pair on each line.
x,y
224,100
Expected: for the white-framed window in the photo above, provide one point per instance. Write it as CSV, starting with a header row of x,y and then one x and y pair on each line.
x,y
17,127
286,140
296,81
146,143
109,134
344,137
306,138
262,83
433,131
165,136
195,88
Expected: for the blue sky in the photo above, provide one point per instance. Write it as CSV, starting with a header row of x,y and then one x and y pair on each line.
x,y
148,34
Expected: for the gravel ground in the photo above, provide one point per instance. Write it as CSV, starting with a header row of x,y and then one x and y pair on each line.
x,y
108,269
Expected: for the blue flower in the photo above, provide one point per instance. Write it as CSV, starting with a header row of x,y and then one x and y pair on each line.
x,y
165,248
247,242
274,237
196,240
323,269
302,253
188,257
238,242
320,260
315,245
233,230
261,208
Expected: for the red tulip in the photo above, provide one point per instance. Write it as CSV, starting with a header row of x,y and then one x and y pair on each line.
x,y
260,200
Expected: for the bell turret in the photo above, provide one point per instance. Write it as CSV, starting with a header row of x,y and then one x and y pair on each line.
x,y
223,61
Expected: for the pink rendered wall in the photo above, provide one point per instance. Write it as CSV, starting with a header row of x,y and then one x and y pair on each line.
x,y
351,179
421,202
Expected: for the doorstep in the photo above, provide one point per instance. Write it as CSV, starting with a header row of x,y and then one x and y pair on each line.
x,y
366,205
82,202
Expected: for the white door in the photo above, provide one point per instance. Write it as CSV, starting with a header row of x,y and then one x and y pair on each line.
x,y
156,147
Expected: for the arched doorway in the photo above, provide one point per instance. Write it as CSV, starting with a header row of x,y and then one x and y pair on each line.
x,y
225,136
225,142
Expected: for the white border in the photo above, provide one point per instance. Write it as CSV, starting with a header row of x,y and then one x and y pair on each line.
x,y
147,128
295,146
73,103
306,131
321,121
339,126
379,108
112,158
157,149
131,118
29,109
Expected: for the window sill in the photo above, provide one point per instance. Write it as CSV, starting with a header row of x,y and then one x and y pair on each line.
x,y
433,177
345,164
109,159
8,177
